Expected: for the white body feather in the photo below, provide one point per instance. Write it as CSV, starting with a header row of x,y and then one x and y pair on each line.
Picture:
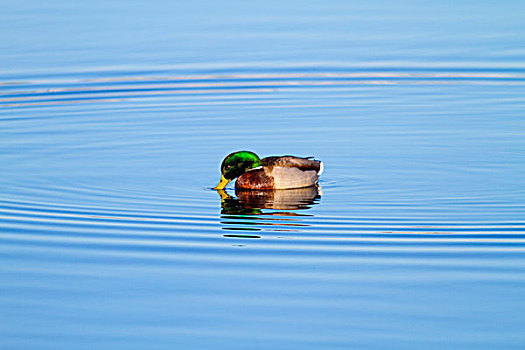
x,y
285,178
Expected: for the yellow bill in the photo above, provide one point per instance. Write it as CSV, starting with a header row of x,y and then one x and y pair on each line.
x,y
222,184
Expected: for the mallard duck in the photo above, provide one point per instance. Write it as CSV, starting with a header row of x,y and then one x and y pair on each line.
x,y
270,173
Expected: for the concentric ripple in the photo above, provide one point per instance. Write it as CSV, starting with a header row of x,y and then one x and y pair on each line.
x,y
109,229
72,90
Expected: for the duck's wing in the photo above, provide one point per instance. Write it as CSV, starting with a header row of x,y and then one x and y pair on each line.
x,y
303,164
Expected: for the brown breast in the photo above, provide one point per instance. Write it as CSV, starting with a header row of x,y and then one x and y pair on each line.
x,y
255,179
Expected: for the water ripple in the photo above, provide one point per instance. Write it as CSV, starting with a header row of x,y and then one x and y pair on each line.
x,y
49,92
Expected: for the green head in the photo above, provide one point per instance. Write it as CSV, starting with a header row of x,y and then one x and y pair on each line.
x,y
236,164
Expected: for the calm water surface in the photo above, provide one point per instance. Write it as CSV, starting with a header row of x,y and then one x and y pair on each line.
x,y
115,116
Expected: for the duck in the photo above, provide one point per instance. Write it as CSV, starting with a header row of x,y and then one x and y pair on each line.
x,y
270,173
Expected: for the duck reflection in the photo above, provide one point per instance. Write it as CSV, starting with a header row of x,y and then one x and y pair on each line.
x,y
255,210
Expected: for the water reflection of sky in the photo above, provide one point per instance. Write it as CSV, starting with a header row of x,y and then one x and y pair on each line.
x,y
115,117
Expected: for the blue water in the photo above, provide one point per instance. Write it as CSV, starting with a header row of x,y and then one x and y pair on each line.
x,y
115,117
